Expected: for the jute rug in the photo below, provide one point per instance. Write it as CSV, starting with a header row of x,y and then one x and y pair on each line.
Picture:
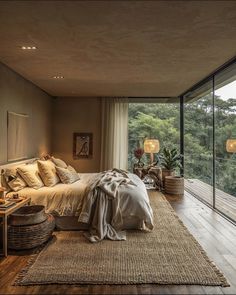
x,y
167,255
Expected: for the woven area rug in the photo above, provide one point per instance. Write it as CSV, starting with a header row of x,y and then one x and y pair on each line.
x,y
167,255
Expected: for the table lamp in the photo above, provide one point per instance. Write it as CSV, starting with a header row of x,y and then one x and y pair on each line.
x,y
151,146
231,145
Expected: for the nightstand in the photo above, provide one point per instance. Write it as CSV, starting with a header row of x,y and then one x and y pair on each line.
x,y
151,176
4,213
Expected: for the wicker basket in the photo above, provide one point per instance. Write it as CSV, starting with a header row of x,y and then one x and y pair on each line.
x,y
28,215
30,236
174,185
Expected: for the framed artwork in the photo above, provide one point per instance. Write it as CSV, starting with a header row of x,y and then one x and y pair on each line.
x,y
82,145
18,127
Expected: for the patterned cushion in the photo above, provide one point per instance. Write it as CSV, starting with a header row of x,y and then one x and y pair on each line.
x,y
58,162
11,180
31,176
67,175
47,172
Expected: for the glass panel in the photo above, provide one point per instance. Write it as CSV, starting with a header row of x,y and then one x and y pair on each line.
x,y
152,120
198,142
225,129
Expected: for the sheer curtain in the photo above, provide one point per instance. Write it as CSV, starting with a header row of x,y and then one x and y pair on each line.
x,y
114,148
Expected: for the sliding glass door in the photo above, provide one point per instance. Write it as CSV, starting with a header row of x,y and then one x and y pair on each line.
x,y
210,141
225,141
198,138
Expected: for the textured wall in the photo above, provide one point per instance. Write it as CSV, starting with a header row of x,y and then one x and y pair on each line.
x,y
76,115
21,96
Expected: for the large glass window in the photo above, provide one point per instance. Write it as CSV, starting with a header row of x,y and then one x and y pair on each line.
x,y
198,137
225,130
210,141
152,120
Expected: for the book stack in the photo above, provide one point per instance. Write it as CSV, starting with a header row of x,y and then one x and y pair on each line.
x,y
6,205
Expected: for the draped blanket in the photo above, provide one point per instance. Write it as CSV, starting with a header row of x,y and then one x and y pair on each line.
x,y
101,206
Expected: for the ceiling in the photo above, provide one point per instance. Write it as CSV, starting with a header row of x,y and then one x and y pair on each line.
x,y
117,48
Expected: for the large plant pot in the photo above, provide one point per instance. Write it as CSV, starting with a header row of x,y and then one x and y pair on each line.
x,y
166,172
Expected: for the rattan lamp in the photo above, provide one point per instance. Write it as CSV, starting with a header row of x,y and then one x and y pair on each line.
x,y
151,146
231,145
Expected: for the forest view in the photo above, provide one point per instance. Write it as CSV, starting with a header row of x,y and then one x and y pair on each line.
x,y
161,121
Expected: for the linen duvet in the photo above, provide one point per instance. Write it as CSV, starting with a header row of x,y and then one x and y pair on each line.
x,y
108,202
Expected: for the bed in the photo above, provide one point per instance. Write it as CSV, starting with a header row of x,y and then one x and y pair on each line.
x,y
63,201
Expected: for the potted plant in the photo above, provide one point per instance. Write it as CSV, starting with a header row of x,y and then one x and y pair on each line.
x,y
170,160
138,153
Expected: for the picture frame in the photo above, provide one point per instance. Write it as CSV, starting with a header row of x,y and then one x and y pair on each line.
x,y
82,145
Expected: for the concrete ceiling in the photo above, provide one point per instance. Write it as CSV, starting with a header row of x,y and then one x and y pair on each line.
x,y
117,48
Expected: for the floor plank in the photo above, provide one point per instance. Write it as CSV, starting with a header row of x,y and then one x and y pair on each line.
x,y
225,203
216,235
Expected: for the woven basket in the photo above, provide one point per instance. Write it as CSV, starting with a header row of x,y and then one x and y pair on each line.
x,y
174,185
28,215
30,236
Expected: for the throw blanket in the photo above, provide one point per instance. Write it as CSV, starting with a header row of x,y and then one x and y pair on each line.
x,y
105,222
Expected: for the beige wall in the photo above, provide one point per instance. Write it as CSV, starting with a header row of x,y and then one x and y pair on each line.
x,y
21,96
76,115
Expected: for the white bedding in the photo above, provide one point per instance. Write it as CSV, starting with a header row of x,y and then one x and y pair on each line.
x,y
61,199
64,199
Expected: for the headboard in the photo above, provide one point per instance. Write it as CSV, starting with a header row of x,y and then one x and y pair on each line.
x,y
12,164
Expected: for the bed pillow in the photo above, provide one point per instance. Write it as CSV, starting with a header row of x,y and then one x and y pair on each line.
x,y
48,173
30,174
11,180
4,182
17,184
58,162
67,175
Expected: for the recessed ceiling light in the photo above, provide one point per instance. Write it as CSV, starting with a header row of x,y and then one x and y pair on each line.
x,y
28,47
58,77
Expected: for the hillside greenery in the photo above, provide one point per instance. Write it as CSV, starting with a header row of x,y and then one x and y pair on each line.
x,y
162,121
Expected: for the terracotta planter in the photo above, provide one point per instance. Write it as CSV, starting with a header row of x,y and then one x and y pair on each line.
x,y
166,172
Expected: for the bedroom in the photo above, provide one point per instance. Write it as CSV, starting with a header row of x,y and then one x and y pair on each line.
x,y
100,70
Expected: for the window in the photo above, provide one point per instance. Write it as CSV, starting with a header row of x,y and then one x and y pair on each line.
x,y
198,138
209,121
152,120
225,128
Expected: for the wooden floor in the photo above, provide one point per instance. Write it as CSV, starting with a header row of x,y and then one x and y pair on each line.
x,y
225,203
216,235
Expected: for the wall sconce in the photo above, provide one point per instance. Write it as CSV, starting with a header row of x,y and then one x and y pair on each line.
x,y
151,146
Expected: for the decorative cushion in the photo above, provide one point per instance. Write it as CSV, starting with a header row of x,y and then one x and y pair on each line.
x,y
30,174
11,180
67,175
4,182
47,172
17,184
58,162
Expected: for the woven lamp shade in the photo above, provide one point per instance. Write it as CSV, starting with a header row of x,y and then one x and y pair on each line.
x,y
231,145
151,146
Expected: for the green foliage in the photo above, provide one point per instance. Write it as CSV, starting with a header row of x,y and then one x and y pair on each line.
x,y
171,159
161,121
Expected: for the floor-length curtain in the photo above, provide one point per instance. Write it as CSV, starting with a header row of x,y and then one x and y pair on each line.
x,y
114,148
